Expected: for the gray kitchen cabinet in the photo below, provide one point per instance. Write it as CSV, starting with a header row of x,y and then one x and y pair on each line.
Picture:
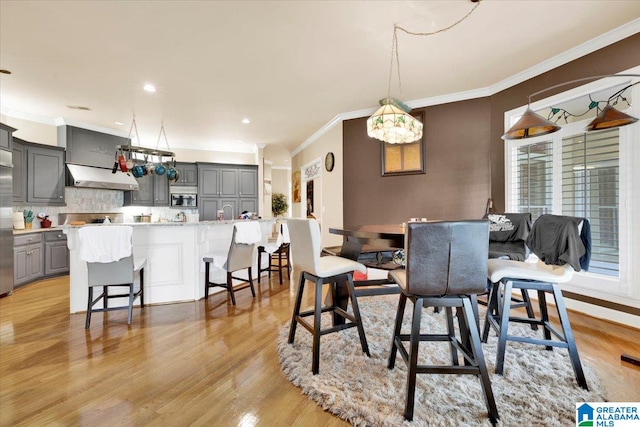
x,y
45,174
248,182
187,175
226,187
160,190
19,171
56,253
88,147
27,258
153,191
6,137
209,207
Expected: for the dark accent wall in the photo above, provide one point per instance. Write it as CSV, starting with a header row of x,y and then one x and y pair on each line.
x,y
464,151
456,183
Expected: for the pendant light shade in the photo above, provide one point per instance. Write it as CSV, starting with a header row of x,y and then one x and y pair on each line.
x,y
393,125
530,125
609,118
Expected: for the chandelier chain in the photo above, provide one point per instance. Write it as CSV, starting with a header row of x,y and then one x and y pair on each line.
x,y
395,54
441,30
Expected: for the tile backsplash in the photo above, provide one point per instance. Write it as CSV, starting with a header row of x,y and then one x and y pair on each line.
x,y
89,200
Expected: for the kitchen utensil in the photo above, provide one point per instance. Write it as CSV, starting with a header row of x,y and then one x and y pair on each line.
x,y
160,169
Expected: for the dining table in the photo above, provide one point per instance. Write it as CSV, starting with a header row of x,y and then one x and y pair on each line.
x,y
367,238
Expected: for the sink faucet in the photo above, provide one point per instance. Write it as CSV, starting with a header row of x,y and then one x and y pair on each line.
x,y
228,206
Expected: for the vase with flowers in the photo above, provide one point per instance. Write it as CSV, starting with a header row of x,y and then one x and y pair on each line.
x,y
28,218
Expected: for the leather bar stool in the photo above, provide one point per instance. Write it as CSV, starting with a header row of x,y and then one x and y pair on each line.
x,y
446,263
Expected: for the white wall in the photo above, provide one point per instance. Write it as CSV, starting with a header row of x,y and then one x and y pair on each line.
x,y
32,131
331,187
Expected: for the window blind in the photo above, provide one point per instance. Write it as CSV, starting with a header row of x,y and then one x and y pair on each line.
x,y
590,178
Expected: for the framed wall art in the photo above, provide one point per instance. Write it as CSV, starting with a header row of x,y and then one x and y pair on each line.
x,y
404,159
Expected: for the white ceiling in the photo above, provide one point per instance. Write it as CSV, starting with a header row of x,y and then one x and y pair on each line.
x,y
289,66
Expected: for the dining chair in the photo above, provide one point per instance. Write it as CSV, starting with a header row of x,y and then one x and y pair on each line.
x,y
333,270
108,252
446,263
563,246
220,268
278,251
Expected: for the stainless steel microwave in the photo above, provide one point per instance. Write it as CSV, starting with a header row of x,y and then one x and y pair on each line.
x,y
184,200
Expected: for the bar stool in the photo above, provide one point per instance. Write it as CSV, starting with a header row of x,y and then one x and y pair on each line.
x,y
278,251
107,250
446,263
219,269
306,246
562,244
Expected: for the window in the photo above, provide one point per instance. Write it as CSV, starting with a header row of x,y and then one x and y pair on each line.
x,y
590,176
593,175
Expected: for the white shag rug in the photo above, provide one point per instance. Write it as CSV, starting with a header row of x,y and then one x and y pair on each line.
x,y
538,387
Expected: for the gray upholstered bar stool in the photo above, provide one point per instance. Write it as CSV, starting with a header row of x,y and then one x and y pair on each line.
x,y
220,268
108,252
306,246
446,263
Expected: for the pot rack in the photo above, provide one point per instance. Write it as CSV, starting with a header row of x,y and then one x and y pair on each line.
x,y
132,150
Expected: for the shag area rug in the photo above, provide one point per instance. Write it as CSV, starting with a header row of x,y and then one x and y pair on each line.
x,y
538,387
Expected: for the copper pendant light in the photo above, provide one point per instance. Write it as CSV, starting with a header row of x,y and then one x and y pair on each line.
x,y
609,118
530,125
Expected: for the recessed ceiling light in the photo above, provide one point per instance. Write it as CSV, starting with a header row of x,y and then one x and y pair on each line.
x,y
246,121
3,71
149,87
119,123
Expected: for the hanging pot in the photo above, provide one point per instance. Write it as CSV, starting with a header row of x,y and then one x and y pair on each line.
x,y
160,169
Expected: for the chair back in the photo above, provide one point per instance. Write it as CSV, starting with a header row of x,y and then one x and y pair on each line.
x,y
306,243
446,258
108,252
560,240
507,235
120,272
240,255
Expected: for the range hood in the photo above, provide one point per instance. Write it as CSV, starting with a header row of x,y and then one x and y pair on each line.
x,y
94,177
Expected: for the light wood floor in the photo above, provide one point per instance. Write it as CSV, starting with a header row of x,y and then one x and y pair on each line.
x,y
196,363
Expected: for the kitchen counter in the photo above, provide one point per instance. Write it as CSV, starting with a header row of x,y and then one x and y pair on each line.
x,y
35,230
174,252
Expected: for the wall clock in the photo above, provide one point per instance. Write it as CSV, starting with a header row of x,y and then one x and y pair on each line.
x,y
329,162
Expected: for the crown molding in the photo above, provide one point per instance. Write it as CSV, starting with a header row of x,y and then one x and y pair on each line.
x,y
572,54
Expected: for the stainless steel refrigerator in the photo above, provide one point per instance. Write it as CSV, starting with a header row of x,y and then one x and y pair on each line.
x,y
6,223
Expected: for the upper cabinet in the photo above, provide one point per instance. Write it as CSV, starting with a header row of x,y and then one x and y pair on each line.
x,y
6,137
153,191
38,173
45,175
90,148
187,175
19,171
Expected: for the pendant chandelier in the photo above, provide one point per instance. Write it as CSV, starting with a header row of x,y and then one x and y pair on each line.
x,y
392,123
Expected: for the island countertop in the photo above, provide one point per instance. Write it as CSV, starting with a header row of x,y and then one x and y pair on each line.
x,y
174,252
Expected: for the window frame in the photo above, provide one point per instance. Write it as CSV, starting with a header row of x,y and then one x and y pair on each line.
x,y
626,285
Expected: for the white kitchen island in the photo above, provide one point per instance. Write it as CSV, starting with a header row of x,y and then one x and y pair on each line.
x,y
174,252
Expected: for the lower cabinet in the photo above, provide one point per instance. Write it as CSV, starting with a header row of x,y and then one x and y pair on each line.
x,y
56,253
37,255
27,258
